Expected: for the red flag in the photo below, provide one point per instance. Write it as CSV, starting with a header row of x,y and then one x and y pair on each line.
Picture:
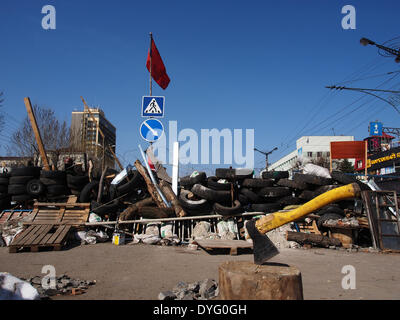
x,y
158,71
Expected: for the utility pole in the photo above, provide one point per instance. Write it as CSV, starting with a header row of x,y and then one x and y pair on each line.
x,y
266,154
392,51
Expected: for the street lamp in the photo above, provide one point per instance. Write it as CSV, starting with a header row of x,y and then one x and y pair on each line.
x,y
365,42
266,155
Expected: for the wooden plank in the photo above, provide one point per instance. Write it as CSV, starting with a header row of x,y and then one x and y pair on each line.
x,y
63,204
32,236
52,239
46,238
61,237
61,214
215,244
23,235
44,232
36,131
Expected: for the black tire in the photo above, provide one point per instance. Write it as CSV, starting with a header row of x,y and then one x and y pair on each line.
x,y
243,199
307,195
75,192
155,212
57,175
232,174
331,208
277,175
25,171
292,184
327,216
211,195
107,209
57,190
257,183
4,195
89,192
212,183
312,179
4,181
21,197
135,181
189,181
52,182
196,205
77,182
251,196
204,212
228,211
16,189
289,200
20,179
274,192
266,207
35,187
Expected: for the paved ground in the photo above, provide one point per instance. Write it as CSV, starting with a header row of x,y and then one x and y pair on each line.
x,y
142,271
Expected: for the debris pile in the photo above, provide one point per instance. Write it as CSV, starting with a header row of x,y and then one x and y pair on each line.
x,y
201,290
64,285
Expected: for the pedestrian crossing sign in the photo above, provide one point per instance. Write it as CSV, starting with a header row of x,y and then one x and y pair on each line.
x,y
153,106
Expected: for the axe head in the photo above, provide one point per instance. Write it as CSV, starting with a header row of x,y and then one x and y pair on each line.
x,y
263,247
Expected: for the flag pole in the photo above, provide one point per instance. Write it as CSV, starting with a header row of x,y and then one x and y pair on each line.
x,y
151,81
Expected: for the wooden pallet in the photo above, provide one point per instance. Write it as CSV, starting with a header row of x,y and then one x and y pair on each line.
x,y
59,213
232,245
8,215
35,236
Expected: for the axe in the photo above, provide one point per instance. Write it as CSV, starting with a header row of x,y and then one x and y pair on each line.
x,y
263,247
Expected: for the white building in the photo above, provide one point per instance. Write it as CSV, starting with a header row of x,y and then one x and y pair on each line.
x,y
308,147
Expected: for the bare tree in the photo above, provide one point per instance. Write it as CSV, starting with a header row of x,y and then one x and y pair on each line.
x,y
55,134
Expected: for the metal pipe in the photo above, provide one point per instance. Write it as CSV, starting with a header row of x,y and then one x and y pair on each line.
x,y
153,179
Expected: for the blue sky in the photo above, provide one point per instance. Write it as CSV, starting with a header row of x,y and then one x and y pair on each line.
x,y
259,65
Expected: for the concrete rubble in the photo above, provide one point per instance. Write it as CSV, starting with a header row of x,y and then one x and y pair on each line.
x,y
201,290
64,285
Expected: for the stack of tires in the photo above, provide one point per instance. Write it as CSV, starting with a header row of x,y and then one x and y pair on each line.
x,y
20,184
4,196
76,183
55,183
213,194
131,189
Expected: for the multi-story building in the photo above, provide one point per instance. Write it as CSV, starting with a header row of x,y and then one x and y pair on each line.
x,y
86,135
308,147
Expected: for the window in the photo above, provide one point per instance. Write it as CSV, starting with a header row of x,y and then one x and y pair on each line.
x,y
319,154
309,154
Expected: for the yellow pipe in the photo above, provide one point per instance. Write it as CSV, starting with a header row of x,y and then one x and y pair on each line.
x,y
277,219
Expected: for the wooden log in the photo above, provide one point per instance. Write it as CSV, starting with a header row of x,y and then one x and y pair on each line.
x,y
171,197
308,238
243,280
345,236
150,186
131,211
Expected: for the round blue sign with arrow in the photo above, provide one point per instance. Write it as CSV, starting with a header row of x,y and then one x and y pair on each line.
x,y
151,130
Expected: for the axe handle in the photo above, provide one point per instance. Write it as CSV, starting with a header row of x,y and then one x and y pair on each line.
x,y
277,219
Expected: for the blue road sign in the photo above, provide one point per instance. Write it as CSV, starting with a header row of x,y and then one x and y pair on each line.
x,y
151,130
153,106
375,128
